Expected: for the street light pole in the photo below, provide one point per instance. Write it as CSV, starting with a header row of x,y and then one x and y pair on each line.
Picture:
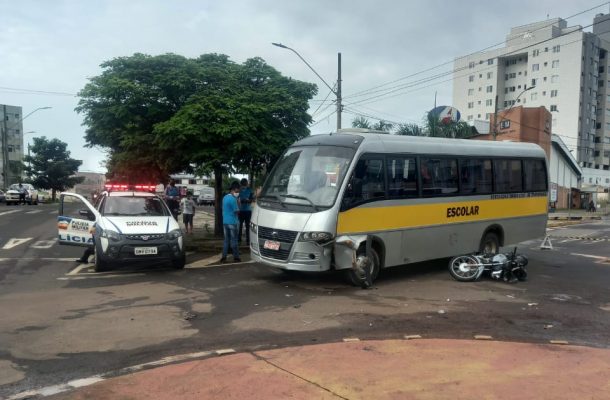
x,y
495,126
5,161
337,92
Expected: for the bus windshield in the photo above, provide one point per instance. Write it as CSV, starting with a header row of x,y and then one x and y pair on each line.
x,y
308,176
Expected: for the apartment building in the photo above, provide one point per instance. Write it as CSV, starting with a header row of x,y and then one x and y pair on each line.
x,y
11,144
545,64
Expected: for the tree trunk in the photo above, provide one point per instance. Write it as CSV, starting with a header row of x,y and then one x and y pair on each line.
x,y
218,231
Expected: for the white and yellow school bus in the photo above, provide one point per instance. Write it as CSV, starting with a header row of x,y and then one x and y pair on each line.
x,y
410,198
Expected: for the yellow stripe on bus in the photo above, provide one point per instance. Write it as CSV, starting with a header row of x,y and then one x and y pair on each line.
x,y
373,219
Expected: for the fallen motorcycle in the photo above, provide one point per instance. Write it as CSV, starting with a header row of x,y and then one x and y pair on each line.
x,y
508,267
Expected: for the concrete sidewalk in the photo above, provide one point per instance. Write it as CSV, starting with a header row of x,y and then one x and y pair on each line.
x,y
390,369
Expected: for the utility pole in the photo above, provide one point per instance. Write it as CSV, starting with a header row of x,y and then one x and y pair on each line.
x,y
495,125
339,106
5,163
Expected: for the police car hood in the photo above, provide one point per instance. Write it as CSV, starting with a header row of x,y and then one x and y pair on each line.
x,y
130,225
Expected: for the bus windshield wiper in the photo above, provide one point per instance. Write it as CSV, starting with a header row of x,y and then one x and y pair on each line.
x,y
294,196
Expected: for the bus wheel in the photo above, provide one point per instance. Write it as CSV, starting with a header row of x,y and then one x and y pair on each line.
x,y
464,268
490,244
356,279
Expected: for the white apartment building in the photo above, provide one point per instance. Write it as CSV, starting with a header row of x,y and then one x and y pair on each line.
x,y
11,144
546,64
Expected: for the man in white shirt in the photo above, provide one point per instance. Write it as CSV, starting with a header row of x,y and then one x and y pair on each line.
x,y
187,206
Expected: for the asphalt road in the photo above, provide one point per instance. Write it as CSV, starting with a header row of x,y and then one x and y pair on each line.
x,y
59,321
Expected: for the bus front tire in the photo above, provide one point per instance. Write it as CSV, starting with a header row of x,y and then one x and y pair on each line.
x,y
490,244
354,278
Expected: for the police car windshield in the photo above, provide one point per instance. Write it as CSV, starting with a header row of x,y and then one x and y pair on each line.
x,y
128,206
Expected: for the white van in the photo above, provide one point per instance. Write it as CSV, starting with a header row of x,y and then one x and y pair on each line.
x,y
123,226
207,195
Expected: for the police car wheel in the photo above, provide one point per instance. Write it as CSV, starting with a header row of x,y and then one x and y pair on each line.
x,y
179,264
100,265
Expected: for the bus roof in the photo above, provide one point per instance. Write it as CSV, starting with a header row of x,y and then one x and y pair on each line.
x,y
388,143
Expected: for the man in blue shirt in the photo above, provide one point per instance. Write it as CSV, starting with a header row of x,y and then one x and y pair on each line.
x,y
245,209
230,212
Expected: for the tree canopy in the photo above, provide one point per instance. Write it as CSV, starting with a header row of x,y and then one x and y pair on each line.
x,y
50,167
164,114
431,127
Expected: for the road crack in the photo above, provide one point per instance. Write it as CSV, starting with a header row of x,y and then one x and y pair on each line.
x,y
261,358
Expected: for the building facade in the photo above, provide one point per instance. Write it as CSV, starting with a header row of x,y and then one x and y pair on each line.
x,y
545,64
11,145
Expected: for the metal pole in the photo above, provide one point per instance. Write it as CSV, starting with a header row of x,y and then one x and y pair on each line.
x,y
339,106
495,125
5,161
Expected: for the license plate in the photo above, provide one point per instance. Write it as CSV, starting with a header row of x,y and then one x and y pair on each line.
x,y
271,245
144,251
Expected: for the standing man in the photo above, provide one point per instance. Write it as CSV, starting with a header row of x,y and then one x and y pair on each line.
x,y
171,197
245,209
230,212
22,193
187,206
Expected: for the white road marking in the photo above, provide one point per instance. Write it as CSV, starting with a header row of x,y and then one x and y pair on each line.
x,y
54,212
43,244
15,242
78,269
9,212
80,383
36,259
33,212
568,240
588,256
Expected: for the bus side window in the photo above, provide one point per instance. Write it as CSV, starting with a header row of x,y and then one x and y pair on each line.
x,y
475,176
508,176
402,178
535,175
367,182
439,176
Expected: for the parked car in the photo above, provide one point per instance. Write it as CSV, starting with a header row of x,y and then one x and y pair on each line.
x,y
12,194
2,196
206,196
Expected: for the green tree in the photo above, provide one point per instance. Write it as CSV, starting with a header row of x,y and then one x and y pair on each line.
x,y
410,130
361,122
384,126
50,167
163,114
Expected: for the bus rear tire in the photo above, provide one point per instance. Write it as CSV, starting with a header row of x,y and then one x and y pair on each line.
x,y
354,279
490,244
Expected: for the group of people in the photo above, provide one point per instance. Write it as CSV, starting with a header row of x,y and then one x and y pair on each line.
x,y
236,215
180,203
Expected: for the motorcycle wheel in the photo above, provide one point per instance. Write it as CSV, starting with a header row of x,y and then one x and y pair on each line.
x,y
464,268
521,274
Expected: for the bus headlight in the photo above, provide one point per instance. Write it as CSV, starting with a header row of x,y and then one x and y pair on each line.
x,y
253,228
319,237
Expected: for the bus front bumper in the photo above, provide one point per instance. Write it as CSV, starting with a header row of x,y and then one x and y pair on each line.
x,y
304,256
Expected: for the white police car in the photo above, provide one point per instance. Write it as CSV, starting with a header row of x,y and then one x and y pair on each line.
x,y
123,226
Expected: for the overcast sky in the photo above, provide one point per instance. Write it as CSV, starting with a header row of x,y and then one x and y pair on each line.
x,y
55,46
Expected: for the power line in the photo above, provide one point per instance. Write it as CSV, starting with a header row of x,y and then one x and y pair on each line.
x,y
322,119
371,90
329,93
31,91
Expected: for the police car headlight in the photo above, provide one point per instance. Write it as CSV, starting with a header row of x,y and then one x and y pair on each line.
x,y
175,234
253,227
319,237
109,234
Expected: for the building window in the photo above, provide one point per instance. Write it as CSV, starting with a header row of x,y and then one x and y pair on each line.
x,y
553,93
535,67
490,75
544,79
554,78
10,148
512,89
478,115
471,105
488,102
470,118
534,96
556,49
534,82
470,92
544,92
471,78
479,102
505,104
535,53
545,63
553,107
555,64
471,64
490,89
490,61
480,76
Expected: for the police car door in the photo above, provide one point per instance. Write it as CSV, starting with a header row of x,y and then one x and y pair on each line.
x,y
76,220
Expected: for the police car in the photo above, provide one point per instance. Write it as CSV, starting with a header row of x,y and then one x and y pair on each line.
x,y
126,224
